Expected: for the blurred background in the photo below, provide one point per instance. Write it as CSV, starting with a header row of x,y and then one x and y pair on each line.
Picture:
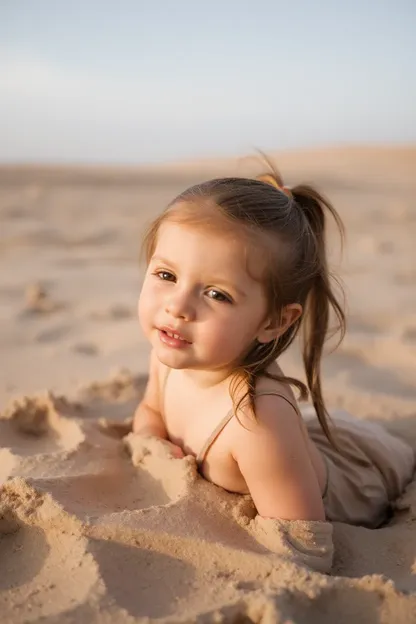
x,y
109,109
136,81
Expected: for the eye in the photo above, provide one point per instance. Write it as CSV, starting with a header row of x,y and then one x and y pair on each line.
x,y
166,276
215,294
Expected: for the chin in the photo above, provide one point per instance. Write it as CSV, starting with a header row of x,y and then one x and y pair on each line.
x,y
170,359
173,365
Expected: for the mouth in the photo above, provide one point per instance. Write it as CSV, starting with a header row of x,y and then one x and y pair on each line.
x,y
174,336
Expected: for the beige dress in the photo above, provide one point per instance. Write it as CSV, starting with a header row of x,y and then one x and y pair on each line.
x,y
373,470
363,481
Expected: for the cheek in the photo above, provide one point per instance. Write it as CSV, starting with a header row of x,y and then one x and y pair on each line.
x,y
144,305
225,342
141,309
240,329
227,330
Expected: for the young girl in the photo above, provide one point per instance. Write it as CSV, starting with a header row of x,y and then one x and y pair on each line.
x,y
236,269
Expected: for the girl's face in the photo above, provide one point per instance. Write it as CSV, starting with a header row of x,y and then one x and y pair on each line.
x,y
199,307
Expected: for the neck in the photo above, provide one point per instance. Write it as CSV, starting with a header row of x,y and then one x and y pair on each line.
x,y
207,380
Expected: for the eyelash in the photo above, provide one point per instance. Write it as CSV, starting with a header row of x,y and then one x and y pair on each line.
x,y
160,273
224,298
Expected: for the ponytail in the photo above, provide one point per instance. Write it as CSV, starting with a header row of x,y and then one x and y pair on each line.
x,y
321,298
294,221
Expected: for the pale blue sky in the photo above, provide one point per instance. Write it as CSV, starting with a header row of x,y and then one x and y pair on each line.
x,y
128,81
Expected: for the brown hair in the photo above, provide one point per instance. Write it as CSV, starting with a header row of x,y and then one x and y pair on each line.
x,y
297,219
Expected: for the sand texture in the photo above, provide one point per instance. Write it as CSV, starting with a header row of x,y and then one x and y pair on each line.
x,y
98,525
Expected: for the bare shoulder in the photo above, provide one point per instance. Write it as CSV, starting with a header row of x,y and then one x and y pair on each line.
x,y
271,452
276,409
276,420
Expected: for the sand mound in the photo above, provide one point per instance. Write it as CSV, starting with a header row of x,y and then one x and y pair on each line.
x,y
40,418
115,525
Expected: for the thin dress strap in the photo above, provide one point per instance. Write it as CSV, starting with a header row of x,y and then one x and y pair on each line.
x,y
218,429
291,403
214,435
282,396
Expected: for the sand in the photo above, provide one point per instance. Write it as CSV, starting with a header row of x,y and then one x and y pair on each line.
x,y
98,526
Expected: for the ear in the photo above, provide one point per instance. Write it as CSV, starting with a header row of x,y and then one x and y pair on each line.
x,y
272,329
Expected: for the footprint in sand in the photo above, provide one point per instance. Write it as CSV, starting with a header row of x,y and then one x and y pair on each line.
x,y
140,571
53,334
86,348
36,425
115,428
121,387
116,312
181,573
113,476
122,489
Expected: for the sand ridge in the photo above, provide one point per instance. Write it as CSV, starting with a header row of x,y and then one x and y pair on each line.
x,y
139,533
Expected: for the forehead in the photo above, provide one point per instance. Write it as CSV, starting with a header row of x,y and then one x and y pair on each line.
x,y
223,250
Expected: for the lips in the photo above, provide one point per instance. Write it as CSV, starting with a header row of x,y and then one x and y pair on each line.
x,y
171,333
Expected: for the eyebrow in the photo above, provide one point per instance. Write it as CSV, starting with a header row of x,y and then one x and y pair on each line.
x,y
162,260
221,281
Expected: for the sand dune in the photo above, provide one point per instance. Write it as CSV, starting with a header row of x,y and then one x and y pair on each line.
x,y
97,526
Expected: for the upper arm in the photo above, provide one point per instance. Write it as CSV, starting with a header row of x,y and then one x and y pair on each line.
x,y
149,410
274,460
151,395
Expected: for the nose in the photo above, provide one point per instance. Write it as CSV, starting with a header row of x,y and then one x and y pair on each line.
x,y
179,305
